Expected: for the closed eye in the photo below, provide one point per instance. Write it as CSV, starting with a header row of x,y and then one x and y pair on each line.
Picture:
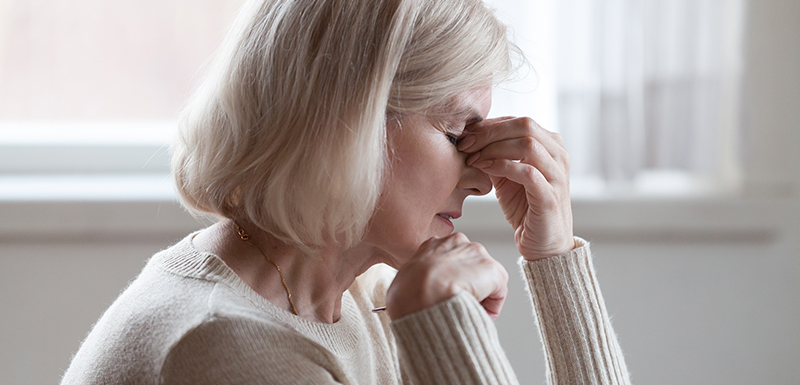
x,y
453,139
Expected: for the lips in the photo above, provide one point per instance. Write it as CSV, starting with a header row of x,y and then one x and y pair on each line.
x,y
450,215
447,217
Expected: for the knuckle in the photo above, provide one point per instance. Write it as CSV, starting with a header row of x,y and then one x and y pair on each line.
x,y
430,243
528,124
531,173
527,121
565,160
459,237
529,143
475,248
480,248
502,270
540,148
560,153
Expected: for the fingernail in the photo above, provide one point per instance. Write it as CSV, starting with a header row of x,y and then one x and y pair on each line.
x,y
472,158
483,164
466,143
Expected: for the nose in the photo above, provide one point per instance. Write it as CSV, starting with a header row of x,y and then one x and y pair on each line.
x,y
475,181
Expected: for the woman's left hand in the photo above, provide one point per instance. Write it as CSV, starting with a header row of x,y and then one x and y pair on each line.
x,y
529,168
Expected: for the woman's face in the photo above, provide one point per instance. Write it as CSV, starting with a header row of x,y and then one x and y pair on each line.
x,y
428,179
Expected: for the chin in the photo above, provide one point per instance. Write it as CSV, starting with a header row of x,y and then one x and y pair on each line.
x,y
397,253
399,256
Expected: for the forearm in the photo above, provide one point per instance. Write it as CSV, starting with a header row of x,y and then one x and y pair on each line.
x,y
580,344
453,342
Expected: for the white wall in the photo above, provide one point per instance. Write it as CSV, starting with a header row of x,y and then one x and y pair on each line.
x,y
701,291
692,302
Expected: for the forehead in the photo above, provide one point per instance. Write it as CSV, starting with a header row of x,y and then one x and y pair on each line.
x,y
468,105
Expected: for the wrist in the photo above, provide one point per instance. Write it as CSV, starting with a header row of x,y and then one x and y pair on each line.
x,y
569,246
402,300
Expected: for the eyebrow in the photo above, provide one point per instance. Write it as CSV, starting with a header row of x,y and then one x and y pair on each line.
x,y
474,119
474,116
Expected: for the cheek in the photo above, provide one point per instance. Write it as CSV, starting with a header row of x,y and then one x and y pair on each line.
x,y
408,206
429,181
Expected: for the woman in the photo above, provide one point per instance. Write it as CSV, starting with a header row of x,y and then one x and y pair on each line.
x,y
333,138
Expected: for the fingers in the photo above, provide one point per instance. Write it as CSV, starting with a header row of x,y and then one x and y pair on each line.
x,y
441,269
547,196
434,247
517,139
525,149
479,135
497,289
494,304
481,275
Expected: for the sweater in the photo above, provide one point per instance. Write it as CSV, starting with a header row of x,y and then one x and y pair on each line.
x,y
189,319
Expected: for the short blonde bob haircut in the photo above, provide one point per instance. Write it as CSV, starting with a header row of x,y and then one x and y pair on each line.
x,y
288,128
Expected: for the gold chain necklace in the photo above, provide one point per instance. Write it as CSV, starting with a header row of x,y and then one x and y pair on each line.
x,y
246,237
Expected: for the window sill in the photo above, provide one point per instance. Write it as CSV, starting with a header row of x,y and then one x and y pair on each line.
x,y
81,208
113,208
654,219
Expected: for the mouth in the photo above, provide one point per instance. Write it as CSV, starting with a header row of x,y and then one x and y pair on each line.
x,y
448,217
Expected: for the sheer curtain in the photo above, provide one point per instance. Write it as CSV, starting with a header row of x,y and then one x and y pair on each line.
x,y
646,92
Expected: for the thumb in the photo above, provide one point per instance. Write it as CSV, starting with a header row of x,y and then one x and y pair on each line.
x,y
493,304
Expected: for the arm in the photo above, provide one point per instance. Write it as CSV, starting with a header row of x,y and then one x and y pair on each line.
x,y
442,303
579,343
453,342
241,351
529,169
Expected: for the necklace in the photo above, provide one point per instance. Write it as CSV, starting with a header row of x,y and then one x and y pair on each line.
x,y
246,237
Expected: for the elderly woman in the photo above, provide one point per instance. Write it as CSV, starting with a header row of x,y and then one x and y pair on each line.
x,y
333,138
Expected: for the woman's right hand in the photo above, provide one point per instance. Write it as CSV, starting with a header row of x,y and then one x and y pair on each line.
x,y
442,268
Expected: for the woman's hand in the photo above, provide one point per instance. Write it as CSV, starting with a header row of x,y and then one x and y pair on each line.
x,y
529,168
442,268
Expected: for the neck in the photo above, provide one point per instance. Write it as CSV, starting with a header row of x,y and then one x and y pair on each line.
x,y
316,282
321,280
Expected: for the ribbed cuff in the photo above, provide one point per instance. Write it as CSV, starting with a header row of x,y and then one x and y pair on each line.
x,y
579,341
453,342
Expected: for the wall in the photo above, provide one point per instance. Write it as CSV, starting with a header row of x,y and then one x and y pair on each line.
x,y
701,291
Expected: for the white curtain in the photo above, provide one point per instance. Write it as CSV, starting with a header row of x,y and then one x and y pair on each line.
x,y
642,85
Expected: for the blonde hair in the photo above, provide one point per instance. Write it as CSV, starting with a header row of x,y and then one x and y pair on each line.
x,y
288,128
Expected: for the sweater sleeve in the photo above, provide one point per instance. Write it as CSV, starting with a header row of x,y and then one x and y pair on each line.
x,y
579,343
453,342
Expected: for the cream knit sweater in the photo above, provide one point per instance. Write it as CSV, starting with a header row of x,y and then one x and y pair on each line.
x,y
189,319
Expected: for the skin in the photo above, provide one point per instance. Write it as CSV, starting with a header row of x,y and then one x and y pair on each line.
x,y
428,178
435,165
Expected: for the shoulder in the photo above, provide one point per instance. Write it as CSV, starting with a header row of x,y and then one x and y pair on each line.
x,y
175,292
131,337
242,350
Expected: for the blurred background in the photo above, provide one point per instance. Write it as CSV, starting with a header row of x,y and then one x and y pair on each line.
x,y
682,118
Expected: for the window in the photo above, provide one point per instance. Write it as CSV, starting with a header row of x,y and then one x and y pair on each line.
x,y
89,92
645,93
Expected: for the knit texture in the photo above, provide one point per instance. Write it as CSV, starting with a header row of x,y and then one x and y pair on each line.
x,y
454,342
579,342
189,319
